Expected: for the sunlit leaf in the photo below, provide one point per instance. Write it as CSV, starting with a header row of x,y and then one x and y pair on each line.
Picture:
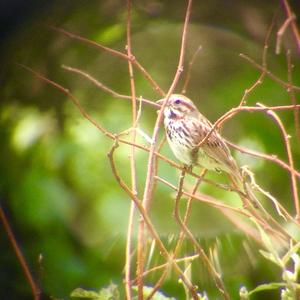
x,y
81,293
109,293
266,287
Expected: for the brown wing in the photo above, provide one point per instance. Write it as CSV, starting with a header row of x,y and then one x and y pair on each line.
x,y
215,146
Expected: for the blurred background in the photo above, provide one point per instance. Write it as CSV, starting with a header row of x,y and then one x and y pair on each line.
x,y
67,211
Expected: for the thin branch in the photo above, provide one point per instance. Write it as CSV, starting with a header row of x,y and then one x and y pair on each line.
x,y
140,257
33,286
112,52
292,95
73,99
261,77
189,70
281,32
164,265
268,73
290,159
290,15
106,88
271,157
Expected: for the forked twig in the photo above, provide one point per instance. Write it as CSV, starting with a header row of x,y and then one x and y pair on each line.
x,y
268,73
106,88
112,52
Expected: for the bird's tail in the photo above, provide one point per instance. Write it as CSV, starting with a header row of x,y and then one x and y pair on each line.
x,y
242,180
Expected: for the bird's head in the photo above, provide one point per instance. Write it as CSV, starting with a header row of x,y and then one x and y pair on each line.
x,y
178,107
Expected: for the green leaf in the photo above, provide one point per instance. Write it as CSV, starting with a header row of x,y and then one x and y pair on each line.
x,y
81,293
267,286
109,293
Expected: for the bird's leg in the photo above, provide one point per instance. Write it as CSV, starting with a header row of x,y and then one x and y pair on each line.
x,y
188,168
194,155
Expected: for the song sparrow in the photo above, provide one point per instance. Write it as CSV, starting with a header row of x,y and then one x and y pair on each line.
x,y
185,128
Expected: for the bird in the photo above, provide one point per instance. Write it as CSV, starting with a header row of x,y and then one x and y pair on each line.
x,y
186,127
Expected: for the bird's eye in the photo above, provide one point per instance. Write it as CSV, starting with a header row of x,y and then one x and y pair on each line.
x,y
177,101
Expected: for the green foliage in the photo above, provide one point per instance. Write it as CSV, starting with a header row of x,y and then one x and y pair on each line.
x,y
109,293
289,287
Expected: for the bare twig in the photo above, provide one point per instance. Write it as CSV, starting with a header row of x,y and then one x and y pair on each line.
x,y
189,70
271,157
292,95
261,77
106,88
281,32
268,73
290,15
73,99
112,52
33,286
165,265
290,159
